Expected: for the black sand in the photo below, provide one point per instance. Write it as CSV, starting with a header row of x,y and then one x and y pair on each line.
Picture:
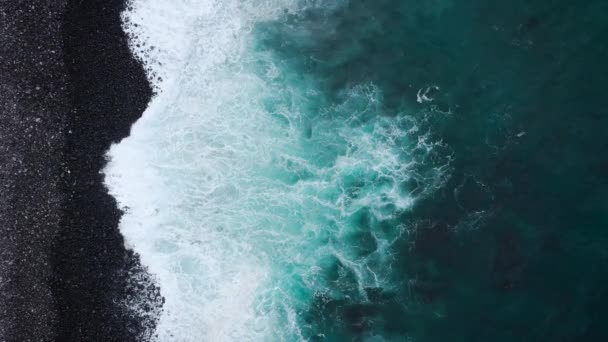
x,y
69,87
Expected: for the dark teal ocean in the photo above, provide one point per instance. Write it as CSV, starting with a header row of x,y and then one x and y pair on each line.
x,y
513,246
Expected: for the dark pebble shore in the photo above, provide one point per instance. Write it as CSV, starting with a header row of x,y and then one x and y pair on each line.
x,y
69,88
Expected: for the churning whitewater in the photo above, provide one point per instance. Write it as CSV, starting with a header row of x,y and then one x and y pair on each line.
x,y
248,192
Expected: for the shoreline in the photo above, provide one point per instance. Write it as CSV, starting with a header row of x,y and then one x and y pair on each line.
x,y
110,92
72,88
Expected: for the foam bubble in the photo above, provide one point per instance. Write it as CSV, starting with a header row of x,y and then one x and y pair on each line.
x,y
243,188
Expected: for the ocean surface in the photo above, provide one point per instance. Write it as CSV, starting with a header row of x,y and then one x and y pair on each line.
x,y
349,170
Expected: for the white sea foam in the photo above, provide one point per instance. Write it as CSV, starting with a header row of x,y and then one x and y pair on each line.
x,y
236,193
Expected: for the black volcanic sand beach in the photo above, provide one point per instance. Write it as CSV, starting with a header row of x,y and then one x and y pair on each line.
x,y
33,100
69,88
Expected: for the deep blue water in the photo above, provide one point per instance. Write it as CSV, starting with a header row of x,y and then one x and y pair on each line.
x,y
514,245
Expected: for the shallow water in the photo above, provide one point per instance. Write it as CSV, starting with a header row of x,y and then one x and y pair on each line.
x,y
386,171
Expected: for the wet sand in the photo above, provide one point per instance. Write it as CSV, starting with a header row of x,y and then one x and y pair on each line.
x,y
69,87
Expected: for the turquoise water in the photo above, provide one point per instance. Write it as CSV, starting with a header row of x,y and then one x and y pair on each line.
x,y
371,171
513,247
